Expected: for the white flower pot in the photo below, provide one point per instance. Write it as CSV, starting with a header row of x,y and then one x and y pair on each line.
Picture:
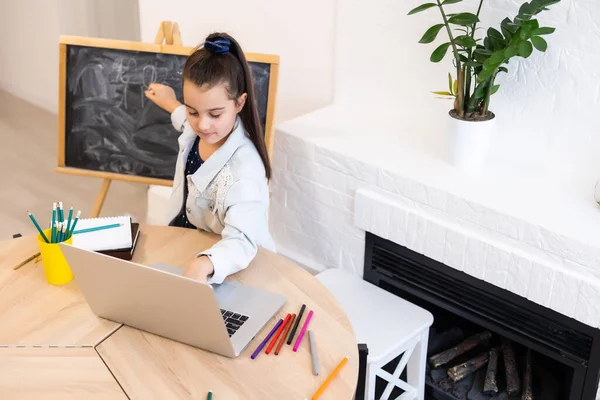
x,y
470,142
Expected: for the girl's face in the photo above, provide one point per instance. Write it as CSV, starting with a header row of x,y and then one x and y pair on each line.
x,y
211,113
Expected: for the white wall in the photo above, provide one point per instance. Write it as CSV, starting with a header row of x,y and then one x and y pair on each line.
x,y
29,50
31,28
547,105
301,33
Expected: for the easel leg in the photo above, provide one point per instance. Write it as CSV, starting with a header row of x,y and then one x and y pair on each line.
x,y
100,198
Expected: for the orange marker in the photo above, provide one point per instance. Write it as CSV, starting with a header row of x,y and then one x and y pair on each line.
x,y
285,321
336,371
285,333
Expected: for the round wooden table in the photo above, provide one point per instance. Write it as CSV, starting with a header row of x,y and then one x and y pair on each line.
x,y
53,346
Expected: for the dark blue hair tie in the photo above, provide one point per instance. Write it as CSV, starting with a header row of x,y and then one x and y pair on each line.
x,y
218,45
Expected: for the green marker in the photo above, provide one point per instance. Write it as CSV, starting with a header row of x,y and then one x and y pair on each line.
x,y
209,397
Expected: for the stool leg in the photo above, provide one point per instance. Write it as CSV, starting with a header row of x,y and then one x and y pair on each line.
x,y
363,353
416,366
371,377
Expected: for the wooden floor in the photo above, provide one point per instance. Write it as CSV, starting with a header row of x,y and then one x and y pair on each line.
x,y
28,156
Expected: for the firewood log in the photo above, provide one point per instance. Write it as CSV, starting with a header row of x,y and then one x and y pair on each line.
x,y
446,356
460,371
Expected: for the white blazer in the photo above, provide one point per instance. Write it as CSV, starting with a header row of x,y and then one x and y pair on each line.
x,y
228,195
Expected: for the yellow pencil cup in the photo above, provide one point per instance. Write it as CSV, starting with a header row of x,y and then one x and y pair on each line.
x,y
56,269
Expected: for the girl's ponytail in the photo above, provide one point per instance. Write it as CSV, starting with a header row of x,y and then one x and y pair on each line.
x,y
222,60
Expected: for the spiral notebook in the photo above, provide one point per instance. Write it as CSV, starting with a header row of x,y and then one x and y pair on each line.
x,y
106,239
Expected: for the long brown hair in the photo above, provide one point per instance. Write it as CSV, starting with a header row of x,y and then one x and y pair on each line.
x,y
223,61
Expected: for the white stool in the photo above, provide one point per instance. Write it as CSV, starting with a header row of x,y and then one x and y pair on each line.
x,y
389,326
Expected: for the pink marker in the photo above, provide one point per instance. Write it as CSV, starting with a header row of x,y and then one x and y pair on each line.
x,y
297,344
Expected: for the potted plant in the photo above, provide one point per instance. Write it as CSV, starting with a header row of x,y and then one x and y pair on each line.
x,y
477,63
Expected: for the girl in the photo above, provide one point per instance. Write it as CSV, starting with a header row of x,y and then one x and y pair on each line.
x,y
222,171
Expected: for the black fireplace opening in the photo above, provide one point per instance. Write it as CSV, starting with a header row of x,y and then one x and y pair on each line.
x,y
486,342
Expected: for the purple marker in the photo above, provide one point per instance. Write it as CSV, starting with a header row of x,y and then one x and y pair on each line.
x,y
260,346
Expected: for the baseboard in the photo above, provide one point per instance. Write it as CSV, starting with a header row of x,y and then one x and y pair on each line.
x,y
303,261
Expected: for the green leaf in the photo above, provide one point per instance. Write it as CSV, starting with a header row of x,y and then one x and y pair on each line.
x,y
485,52
431,33
487,42
495,89
464,19
528,27
480,91
511,51
525,49
526,9
450,82
543,31
443,93
493,33
486,73
455,87
497,57
450,2
539,43
422,7
439,53
508,28
465,41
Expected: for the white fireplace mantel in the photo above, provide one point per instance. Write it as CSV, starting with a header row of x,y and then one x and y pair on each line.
x,y
534,235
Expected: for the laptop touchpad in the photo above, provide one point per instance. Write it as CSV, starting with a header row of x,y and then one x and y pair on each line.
x,y
223,290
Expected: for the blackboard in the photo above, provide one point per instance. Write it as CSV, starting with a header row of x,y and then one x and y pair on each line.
x,y
109,128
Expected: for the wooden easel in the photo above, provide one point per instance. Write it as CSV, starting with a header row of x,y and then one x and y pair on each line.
x,y
168,32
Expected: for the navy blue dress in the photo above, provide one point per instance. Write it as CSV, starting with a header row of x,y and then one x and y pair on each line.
x,y
193,163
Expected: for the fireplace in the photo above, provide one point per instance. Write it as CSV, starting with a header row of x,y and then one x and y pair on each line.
x,y
479,326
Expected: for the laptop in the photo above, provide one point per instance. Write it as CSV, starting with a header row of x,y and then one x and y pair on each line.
x,y
157,299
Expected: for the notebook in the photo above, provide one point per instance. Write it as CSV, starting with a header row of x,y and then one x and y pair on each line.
x,y
106,239
126,253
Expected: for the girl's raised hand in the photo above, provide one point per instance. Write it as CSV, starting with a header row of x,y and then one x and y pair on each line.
x,y
163,96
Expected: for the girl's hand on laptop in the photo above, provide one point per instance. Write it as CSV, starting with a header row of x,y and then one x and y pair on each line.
x,y
199,269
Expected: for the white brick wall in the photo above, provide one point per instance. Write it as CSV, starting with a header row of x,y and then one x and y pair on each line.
x,y
323,201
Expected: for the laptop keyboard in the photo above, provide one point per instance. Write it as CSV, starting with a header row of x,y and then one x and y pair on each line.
x,y
233,321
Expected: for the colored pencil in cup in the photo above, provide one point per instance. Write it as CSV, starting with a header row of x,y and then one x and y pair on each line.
x,y
61,212
64,232
37,226
336,371
60,232
69,221
285,321
97,228
53,226
262,344
75,222
313,352
310,314
57,228
285,334
293,332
